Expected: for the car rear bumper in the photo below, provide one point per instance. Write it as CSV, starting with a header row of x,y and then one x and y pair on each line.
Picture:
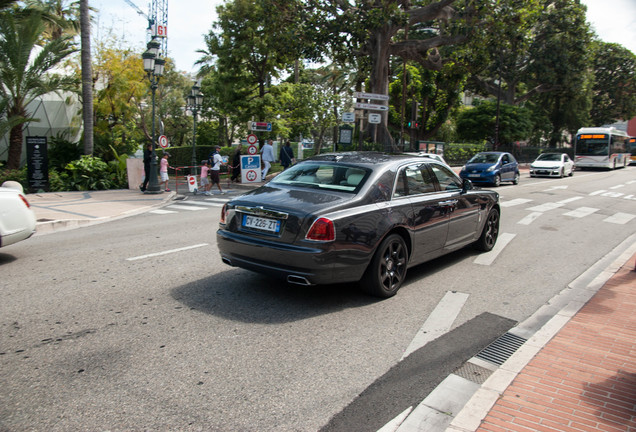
x,y
294,264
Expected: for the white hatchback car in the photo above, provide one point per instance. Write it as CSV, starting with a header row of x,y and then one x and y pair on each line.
x,y
17,219
552,165
433,156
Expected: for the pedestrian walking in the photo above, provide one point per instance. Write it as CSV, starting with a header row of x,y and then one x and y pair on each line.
x,y
163,171
268,157
147,160
286,156
205,182
236,163
215,170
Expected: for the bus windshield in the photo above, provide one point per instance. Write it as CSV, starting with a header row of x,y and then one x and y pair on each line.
x,y
592,147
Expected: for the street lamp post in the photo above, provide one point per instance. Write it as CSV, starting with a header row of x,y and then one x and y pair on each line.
x,y
153,65
195,100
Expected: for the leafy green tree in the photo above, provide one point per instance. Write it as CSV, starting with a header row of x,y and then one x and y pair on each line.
x,y
614,90
255,43
376,30
26,69
478,123
561,62
121,88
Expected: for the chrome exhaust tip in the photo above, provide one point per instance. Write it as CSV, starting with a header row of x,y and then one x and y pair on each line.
x,y
298,280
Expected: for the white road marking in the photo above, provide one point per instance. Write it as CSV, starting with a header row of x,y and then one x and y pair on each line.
x,y
530,218
581,212
160,211
489,257
546,207
617,186
439,321
612,194
185,207
556,187
569,200
514,202
167,252
598,192
620,218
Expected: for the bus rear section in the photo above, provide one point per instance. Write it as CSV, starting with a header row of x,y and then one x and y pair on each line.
x,y
632,150
601,148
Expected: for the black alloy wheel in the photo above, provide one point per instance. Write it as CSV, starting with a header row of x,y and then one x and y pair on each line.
x,y
387,269
489,234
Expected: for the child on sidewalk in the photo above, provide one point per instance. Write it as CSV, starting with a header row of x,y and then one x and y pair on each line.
x,y
205,182
163,170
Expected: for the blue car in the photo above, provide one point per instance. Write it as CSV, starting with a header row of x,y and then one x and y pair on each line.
x,y
492,168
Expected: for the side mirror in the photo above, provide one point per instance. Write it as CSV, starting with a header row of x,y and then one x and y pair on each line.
x,y
467,185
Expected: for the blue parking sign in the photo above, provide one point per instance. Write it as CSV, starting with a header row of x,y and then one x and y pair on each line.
x,y
251,169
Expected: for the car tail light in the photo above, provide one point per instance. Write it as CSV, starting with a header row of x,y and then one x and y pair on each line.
x,y
321,230
223,213
25,201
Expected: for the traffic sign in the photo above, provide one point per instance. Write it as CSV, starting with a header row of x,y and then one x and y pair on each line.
x,y
252,139
163,141
368,106
348,117
261,126
374,96
375,118
252,150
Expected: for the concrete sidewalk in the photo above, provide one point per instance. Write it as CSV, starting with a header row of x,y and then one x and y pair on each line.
x,y
577,373
57,211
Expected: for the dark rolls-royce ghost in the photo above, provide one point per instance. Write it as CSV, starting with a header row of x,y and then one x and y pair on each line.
x,y
359,216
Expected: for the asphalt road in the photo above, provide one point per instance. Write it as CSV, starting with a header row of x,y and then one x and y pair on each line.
x,y
137,325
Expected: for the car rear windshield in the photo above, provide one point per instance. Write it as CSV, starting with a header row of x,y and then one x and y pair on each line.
x,y
324,176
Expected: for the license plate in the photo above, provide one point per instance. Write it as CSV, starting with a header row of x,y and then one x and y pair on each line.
x,y
474,175
260,223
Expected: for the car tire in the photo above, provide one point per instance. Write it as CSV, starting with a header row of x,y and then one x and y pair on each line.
x,y
562,173
489,234
497,181
515,181
387,270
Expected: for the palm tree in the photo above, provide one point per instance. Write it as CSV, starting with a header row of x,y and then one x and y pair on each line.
x,y
87,76
25,71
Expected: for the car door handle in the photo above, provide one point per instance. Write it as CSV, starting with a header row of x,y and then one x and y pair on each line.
x,y
449,203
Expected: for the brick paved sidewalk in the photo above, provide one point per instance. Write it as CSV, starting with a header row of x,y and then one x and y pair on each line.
x,y
584,379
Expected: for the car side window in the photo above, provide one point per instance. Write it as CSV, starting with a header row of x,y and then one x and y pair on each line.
x,y
414,180
505,159
446,179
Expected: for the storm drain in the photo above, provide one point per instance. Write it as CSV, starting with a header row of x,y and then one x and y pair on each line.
x,y
474,373
500,350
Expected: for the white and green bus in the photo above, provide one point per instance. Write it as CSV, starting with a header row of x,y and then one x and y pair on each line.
x,y
601,148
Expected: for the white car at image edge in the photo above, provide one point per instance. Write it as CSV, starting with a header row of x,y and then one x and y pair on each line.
x,y
17,219
552,165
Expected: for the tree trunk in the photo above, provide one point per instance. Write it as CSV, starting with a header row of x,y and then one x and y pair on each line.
x,y
15,147
379,44
87,77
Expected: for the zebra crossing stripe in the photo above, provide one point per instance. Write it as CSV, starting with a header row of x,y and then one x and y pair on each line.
x,y
620,218
581,212
530,218
514,202
185,207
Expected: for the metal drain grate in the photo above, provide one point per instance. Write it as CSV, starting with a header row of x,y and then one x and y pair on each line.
x,y
474,373
500,350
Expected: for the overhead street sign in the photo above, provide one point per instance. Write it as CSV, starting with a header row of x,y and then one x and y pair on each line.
x,y
374,96
261,126
368,106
